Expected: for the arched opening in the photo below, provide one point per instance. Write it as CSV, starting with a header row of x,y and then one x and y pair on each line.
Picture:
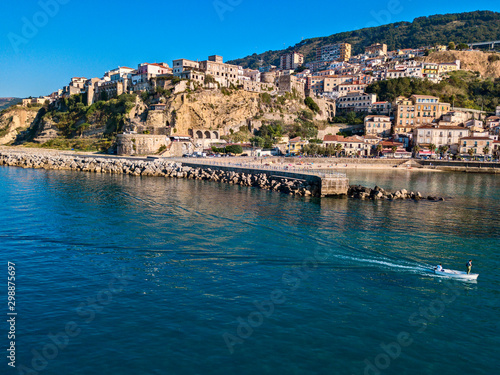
x,y
199,134
190,132
216,135
207,135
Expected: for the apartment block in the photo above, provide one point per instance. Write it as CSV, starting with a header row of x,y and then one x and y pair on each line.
x,y
291,61
418,110
330,52
356,101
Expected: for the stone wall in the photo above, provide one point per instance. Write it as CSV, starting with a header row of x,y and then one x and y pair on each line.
x,y
140,144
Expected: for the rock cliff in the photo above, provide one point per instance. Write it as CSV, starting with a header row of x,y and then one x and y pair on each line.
x,y
15,120
487,64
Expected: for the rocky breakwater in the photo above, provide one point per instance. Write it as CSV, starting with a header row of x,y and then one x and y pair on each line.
x,y
362,192
158,168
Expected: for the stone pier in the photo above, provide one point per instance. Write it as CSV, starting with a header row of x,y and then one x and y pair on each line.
x,y
325,184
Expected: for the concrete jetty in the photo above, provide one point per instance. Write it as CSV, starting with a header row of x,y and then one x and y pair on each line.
x,y
323,184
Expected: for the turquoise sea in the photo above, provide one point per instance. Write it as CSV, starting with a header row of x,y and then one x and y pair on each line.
x,y
128,275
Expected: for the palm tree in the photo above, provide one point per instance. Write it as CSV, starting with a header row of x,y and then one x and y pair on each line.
x,y
471,152
416,150
394,149
338,149
379,149
486,150
432,148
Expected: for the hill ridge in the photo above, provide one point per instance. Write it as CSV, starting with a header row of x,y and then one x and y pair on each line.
x,y
467,27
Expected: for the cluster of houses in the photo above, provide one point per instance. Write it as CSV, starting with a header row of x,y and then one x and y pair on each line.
x,y
334,75
421,126
339,78
212,72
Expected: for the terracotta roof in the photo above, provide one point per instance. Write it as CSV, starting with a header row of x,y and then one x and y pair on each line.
x,y
296,139
355,139
333,138
390,143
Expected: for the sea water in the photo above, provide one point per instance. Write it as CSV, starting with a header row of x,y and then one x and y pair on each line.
x,y
141,275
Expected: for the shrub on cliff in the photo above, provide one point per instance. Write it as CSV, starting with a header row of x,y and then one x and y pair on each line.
x,y
313,106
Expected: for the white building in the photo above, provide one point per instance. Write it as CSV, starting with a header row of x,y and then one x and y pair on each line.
x,y
440,136
357,101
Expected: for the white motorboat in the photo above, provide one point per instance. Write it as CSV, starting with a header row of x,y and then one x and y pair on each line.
x,y
456,274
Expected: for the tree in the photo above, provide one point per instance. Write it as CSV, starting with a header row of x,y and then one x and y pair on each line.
x,y
416,149
432,148
486,150
234,149
338,149
379,149
351,118
462,46
451,46
471,152
257,141
444,150
311,104
394,149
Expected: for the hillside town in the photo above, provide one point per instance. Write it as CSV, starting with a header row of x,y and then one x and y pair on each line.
x,y
417,126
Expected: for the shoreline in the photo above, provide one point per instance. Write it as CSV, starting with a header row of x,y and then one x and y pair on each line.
x,y
301,181
298,165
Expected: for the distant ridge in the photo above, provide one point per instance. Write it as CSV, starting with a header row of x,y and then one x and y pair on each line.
x,y
468,27
7,102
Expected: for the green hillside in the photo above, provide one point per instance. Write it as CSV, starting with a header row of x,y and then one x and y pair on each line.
x,y
470,27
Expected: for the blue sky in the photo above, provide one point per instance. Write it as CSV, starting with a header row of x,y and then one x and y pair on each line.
x,y
45,43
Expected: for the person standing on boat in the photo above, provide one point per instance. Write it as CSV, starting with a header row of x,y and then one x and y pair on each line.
x,y
469,266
